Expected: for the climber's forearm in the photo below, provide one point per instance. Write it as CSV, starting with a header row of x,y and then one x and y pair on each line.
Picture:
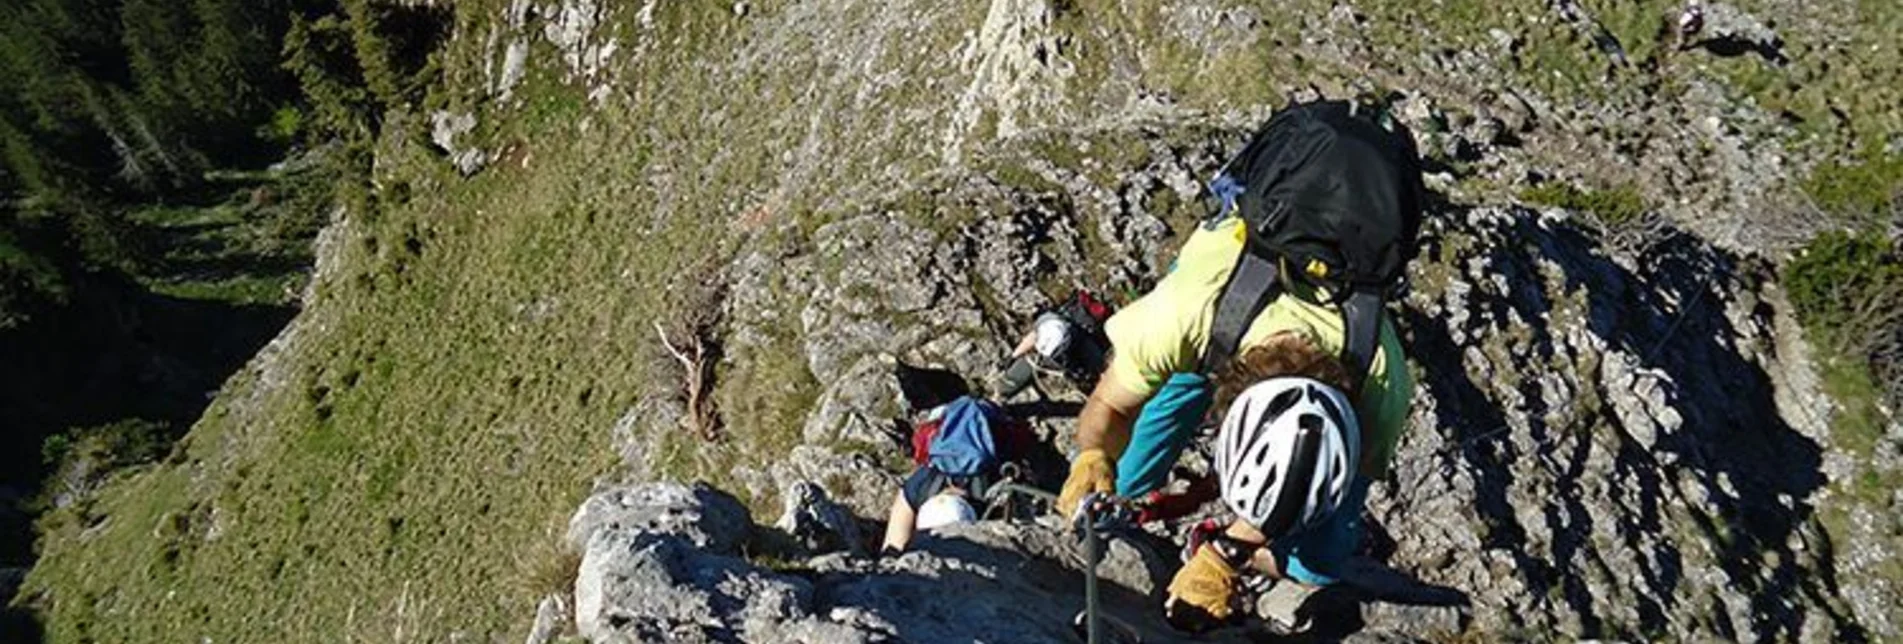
x,y
899,524
1025,346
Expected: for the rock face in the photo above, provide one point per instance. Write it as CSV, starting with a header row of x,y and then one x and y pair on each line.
x,y
991,581
1613,441
702,516
815,523
1006,582
638,585
1607,441
445,128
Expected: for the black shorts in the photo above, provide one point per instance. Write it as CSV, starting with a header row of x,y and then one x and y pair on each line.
x,y
925,482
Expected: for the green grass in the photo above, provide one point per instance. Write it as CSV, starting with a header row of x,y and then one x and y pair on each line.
x,y
454,387
454,401
454,383
242,289
1613,206
1864,190
246,247
1832,282
1858,424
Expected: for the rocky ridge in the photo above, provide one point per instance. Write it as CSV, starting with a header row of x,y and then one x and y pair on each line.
x,y
1608,441
1619,432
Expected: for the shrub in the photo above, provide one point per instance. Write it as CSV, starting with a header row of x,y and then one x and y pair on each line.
x,y
82,458
1840,282
285,126
1868,187
1847,290
1614,206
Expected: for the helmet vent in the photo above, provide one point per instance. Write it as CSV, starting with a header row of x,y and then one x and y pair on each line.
x,y
1328,405
1310,423
1283,402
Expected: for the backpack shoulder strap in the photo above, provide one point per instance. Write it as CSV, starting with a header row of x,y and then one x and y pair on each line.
x,y
1361,322
1254,281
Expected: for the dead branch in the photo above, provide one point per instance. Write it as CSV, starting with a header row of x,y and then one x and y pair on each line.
x,y
696,390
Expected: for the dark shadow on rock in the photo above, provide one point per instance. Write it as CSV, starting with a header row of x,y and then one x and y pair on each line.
x,y
1037,409
1733,47
1034,600
1672,319
1371,581
927,387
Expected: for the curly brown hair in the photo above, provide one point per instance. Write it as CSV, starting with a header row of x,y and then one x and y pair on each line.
x,y
1283,354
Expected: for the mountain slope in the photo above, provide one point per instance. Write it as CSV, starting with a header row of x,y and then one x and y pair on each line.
x,y
476,351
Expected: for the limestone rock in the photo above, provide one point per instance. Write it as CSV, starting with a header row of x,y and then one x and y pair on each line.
x,y
857,481
445,128
551,616
638,586
700,515
815,523
992,581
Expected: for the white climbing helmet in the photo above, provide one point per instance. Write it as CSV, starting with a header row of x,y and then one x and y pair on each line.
x,y
1287,453
945,508
1053,336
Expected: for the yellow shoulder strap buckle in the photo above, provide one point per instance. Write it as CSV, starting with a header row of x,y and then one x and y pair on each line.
x,y
1316,268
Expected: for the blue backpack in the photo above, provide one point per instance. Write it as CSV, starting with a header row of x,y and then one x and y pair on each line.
x,y
964,445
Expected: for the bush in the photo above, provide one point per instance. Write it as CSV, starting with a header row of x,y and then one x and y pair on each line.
x,y
1839,281
1615,206
285,126
1847,290
82,458
1868,187
124,442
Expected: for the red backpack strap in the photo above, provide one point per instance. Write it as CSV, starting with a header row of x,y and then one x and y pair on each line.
x,y
1092,306
922,436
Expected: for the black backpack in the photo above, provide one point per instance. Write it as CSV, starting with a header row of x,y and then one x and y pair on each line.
x,y
1331,194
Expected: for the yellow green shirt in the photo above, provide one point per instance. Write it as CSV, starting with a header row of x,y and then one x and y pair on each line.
x,y
1164,333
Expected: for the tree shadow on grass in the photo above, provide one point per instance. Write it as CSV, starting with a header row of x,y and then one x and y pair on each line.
x,y
19,625
116,352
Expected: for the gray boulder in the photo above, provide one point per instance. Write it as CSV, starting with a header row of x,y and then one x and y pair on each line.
x,y
550,616
700,515
445,128
638,586
992,581
1732,31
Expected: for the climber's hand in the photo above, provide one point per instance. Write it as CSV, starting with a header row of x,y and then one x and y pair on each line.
x,y
1090,472
1202,592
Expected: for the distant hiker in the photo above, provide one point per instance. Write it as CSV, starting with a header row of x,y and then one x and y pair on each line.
x,y
1690,20
1317,219
958,451
1067,339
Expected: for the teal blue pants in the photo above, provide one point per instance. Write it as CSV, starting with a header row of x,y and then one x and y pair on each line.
x,y
1165,426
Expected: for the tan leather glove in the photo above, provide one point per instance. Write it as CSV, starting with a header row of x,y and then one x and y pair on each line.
x,y
1206,582
1092,471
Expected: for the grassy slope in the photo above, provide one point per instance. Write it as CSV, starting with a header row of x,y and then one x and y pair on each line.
x,y
450,394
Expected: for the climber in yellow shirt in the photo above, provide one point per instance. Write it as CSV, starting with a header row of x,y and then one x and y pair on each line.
x,y
1156,393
